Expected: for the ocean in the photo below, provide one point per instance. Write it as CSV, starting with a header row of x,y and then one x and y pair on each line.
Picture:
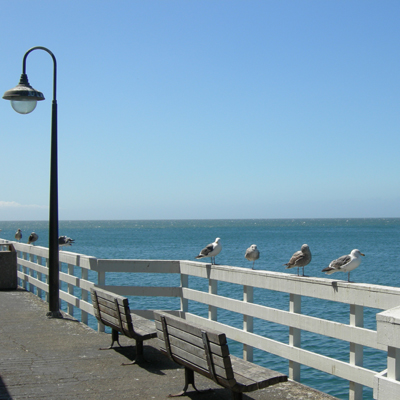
x,y
277,240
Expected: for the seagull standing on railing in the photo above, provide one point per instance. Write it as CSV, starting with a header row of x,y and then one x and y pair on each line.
x,y
18,235
300,259
211,250
345,263
252,254
32,238
65,241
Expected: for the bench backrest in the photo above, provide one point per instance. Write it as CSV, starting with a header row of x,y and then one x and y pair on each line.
x,y
112,310
188,344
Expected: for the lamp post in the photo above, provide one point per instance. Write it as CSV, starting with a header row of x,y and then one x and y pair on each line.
x,y
23,100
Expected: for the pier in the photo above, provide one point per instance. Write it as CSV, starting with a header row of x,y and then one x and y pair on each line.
x,y
45,358
43,355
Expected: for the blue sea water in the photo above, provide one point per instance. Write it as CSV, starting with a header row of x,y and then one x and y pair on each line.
x,y
277,240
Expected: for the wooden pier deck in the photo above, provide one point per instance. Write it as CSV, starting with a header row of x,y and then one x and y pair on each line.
x,y
59,359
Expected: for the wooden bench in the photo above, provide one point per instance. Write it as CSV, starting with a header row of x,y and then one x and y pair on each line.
x,y
206,351
113,310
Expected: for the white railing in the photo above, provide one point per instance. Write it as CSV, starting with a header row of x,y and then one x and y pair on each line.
x,y
199,283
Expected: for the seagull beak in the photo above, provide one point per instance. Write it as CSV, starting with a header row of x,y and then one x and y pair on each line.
x,y
362,254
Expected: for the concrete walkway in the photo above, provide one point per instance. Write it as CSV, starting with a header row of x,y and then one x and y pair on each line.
x,y
45,358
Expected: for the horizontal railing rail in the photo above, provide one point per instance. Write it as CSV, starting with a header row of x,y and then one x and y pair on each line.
x,y
199,283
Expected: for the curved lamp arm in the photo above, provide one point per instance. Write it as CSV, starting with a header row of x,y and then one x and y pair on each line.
x,y
54,69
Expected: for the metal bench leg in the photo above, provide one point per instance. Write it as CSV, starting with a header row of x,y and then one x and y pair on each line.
x,y
189,380
139,354
114,338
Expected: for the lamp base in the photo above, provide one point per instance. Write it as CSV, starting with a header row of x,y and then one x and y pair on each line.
x,y
54,314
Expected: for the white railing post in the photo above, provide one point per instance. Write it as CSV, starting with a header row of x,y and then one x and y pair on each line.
x,y
248,297
184,284
47,280
25,272
294,336
39,276
85,296
387,383
31,272
70,289
101,281
356,350
393,364
212,289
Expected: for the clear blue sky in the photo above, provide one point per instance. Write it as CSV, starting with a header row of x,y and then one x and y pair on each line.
x,y
204,109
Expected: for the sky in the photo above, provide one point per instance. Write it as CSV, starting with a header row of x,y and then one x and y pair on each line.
x,y
204,109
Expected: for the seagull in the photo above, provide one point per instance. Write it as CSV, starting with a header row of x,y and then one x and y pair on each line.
x,y
300,258
32,238
211,250
18,235
345,263
252,254
65,241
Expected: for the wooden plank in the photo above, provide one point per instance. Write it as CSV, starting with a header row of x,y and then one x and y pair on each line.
x,y
204,372
139,266
105,294
192,328
189,355
220,350
151,291
222,362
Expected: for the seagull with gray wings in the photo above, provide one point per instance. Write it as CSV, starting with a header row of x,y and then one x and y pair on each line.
x,y
32,238
65,241
300,259
18,235
345,263
211,250
252,254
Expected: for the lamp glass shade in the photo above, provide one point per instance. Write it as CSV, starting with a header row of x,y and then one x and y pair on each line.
x,y
23,97
23,106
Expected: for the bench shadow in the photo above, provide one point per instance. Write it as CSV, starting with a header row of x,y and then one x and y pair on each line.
x,y
212,394
155,362
4,393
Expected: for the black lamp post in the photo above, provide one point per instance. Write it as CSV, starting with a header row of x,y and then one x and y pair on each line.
x,y
23,100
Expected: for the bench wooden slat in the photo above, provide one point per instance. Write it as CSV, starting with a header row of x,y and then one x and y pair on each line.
x,y
196,350
227,383
197,341
222,365
195,330
112,310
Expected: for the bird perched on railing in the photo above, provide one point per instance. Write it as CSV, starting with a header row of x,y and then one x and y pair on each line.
x,y
252,254
18,235
211,250
32,238
300,259
345,263
65,241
